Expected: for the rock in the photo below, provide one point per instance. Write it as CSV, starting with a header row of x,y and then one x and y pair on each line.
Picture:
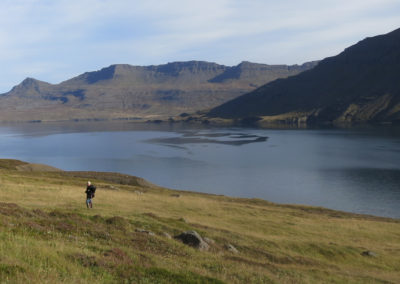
x,y
165,234
193,239
231,248
209,241
176,195
369,253
145,232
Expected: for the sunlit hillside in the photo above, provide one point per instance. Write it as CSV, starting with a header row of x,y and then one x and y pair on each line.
x,y
47,235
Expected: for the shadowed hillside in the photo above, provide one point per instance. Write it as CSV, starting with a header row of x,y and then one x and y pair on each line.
x,y
360,84
132,92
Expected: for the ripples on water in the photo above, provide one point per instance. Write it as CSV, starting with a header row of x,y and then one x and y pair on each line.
x,y
354,170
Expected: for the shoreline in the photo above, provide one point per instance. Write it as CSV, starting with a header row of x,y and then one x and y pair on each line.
x,y
135,232
127,179
200,120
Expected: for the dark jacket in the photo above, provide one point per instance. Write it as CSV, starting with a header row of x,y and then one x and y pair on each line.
x,y
90,190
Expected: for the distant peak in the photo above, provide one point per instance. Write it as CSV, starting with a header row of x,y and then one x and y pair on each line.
x,y
32,82
29,81
247,63
29,84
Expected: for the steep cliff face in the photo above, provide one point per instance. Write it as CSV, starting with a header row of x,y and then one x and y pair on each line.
x,y
248,71
360,84
125,91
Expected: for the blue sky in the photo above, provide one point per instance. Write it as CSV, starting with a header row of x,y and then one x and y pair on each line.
x,y
55,40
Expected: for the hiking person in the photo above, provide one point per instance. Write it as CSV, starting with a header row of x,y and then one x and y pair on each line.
x,y
90,190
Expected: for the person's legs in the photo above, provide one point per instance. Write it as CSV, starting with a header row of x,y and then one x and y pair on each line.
x,y
88,203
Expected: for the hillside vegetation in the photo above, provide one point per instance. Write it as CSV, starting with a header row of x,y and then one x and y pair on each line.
x,y
361,84
47,235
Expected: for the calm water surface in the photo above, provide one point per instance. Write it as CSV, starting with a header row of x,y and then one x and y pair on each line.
x,y
354,170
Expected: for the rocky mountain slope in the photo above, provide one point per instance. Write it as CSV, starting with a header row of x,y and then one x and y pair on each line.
x,y
361,84
126,91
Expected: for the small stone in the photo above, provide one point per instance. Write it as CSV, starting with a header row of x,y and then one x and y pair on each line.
x,y
193,239
231,248
165,234
150,233
183,220
369,253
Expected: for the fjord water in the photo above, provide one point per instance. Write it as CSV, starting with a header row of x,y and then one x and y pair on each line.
x,y
355,170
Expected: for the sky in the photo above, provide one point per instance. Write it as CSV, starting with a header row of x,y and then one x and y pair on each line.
x,y
55,40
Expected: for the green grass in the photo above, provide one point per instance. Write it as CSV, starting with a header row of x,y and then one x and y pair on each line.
x,y
48,236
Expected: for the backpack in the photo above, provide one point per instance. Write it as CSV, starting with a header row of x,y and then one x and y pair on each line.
x,y
93,189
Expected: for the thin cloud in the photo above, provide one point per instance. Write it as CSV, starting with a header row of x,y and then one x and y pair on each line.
x,y
55,40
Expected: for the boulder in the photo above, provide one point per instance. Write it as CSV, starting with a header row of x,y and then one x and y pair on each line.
x,y
231,248
193,239
145,232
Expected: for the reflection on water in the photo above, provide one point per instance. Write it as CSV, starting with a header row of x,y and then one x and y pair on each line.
x,y
236,139
40,129
352,170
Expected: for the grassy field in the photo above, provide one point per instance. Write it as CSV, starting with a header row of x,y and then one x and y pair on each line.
x,y
47,235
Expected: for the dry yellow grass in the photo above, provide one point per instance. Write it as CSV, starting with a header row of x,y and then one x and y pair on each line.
x,y
65,242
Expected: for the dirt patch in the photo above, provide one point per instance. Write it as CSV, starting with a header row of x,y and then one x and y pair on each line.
x,y
84,260
40,213
100,233
35,227
117,257
12,209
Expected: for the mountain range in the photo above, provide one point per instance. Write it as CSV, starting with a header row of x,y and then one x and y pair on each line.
x,y
361,84
139,92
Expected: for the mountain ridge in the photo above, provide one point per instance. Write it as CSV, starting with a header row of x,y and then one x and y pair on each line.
x,y
129,91
358,85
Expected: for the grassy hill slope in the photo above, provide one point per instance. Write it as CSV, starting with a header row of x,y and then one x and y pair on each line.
x,y
48,236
